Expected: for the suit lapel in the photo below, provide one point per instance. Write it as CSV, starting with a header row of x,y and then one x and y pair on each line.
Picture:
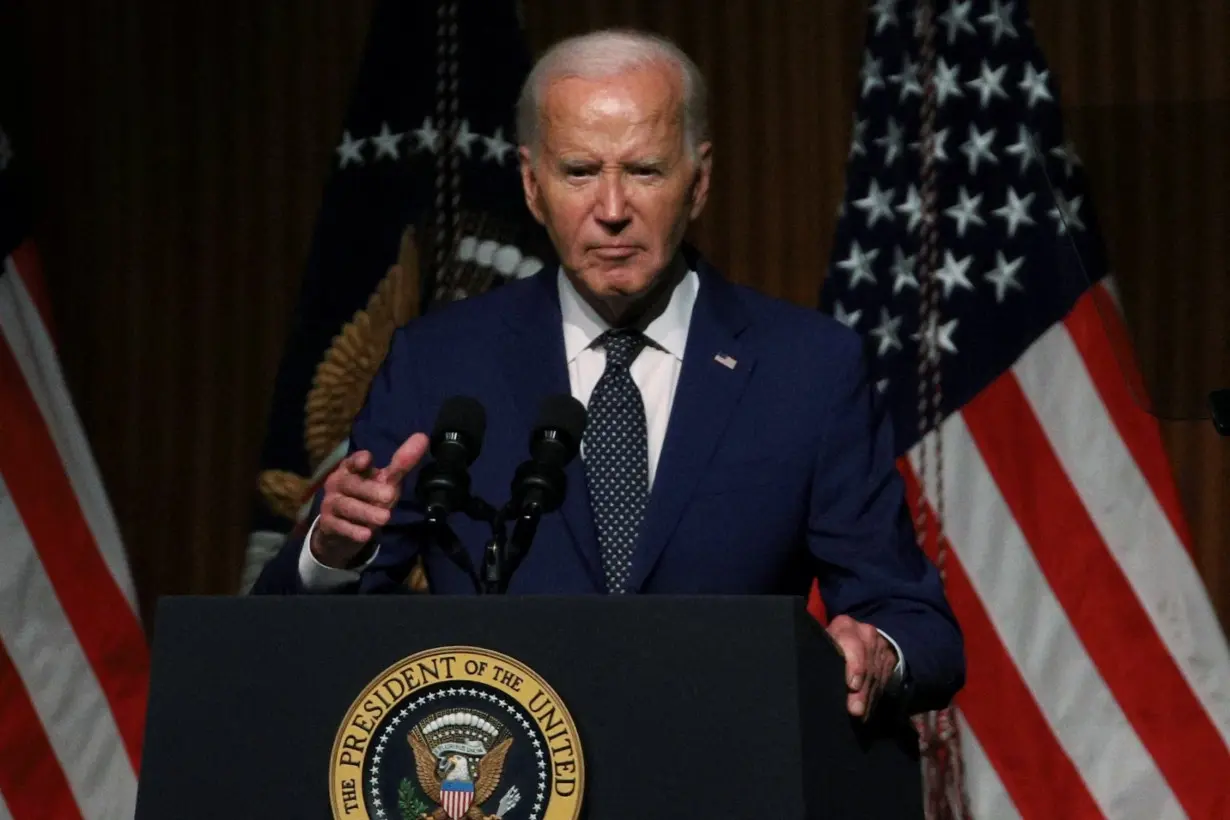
x,y
535,366
715,372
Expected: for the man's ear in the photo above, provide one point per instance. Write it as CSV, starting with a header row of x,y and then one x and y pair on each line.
x,y
699,193
530,184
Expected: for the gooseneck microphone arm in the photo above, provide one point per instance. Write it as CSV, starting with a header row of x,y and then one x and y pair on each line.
x,y
524,530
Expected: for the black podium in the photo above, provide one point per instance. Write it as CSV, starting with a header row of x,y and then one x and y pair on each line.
x,y
650,706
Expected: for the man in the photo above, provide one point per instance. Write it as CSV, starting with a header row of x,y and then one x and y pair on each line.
x,y
732,443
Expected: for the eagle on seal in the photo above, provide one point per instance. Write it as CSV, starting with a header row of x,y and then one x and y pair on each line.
x,y
485,776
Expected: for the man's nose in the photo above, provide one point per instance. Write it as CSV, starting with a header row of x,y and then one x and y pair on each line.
x,y
611,209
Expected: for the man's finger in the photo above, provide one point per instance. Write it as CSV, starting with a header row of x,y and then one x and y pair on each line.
x,y
405,459
341,528
369,490
880,672
844,632
359,512
856,659
858,700
358,462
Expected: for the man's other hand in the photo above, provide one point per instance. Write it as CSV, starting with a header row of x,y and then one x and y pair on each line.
x,y
870,660
359,500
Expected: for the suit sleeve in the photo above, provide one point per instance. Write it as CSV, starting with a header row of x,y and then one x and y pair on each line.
x,y
860,533
390,414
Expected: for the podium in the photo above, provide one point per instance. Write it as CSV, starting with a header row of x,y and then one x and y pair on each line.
x,y
391,707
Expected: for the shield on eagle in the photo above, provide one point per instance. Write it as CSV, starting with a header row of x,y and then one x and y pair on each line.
x,y
456,797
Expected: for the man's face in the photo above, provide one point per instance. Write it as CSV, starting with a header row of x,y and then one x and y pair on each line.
x,y
613,181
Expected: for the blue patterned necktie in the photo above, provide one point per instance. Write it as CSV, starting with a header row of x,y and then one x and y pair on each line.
x,y
617,456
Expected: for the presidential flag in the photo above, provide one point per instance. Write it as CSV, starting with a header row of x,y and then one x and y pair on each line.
x,y
423,205
73,658
968,254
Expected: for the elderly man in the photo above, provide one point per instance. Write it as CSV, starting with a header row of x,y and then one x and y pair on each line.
x,y
732,444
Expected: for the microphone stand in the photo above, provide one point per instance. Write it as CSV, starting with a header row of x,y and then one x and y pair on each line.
x,y
495,572
539,486
502,556
499,559
435,523
494,580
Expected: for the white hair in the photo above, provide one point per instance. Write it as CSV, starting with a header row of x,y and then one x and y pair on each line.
x,y
608,53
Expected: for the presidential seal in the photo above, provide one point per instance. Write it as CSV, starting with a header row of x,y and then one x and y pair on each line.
x,y
457,732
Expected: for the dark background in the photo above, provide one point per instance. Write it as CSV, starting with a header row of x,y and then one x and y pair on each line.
x,y
181,150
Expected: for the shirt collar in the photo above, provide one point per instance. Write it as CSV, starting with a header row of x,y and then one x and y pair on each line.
x,y
668,330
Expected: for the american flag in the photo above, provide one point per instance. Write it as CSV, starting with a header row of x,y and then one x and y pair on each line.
x,y
1099,677
73,658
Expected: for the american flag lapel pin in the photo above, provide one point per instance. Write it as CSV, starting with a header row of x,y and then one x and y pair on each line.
x,y
726,361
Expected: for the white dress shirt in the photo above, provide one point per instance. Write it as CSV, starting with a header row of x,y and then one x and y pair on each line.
x,y
655,370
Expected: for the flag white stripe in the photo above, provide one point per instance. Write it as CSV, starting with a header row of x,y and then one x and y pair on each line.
x,y
987,796
23,329
1129,518
62,686
1035,631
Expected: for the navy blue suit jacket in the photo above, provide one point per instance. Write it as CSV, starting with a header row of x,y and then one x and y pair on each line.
x,y
773,472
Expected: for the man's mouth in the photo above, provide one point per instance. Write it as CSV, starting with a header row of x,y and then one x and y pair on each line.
x,y
615,252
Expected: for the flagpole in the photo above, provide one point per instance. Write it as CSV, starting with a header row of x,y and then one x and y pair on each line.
x,y
943,770
447,204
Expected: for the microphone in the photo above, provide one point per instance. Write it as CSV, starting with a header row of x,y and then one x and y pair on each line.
x,y
539,484
443,485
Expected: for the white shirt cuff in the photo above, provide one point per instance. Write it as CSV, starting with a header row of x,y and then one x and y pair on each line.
x,y
317,577
899,669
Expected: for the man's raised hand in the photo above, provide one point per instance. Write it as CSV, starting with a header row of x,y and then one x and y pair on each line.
x,y
358,501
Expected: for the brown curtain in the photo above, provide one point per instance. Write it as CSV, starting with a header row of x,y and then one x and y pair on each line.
x,y
182,149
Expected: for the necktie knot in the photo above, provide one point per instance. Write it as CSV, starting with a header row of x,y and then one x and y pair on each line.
x,y
622,347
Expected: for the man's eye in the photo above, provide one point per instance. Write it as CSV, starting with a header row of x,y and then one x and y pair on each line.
x,y
579,172
646,171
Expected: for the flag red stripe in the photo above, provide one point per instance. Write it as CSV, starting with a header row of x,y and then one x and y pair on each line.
x,y
31,780
106,627
25,260
1088,583
815,604
1097,330
1000,709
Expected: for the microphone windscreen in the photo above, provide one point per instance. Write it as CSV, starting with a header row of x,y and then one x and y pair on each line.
x,y
563,413
464,416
